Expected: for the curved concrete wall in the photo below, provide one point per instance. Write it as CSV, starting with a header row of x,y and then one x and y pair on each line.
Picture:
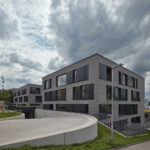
x,y
84,130
80,134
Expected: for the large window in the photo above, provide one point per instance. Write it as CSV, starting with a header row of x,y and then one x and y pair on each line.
x,y
136,120
128,109
47,84
16,100
48,106
61,94
80,108
135,96
82,73
61,80
118,93
76,75
24,91
18,93
105,72
58,95
25,98
125,79
38,99
34,90
20,99
84,92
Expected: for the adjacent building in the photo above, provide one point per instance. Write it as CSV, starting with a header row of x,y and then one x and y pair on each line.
x,y
85,87
28,95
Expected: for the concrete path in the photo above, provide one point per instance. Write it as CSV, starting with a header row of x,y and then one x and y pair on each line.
x,y
140,146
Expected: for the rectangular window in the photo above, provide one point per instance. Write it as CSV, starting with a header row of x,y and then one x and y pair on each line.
x,y
128,109
48,106
109,74
61,80
124,94
84,92
38,99
135,96
120,77
58,95
47,84
136,119
16,100
79,108
82,73
70,77
136,83
118,93
18,93
47,96
25,98
24,91
61,95
34,90
124,79
74,76
105,72
20,99
108,92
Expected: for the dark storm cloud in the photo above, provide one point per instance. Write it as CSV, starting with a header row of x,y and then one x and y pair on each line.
x,y
142,62
56,63
89,28
26,63
8,27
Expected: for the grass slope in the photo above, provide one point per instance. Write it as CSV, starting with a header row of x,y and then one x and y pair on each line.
x,y
102,142
8,114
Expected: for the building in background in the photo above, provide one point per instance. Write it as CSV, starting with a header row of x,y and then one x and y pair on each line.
x,y
28,95
85,87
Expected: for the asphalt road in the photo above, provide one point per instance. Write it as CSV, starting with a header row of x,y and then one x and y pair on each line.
x,y
140,146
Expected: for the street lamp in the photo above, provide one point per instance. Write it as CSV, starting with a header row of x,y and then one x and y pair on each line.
x,y
112,98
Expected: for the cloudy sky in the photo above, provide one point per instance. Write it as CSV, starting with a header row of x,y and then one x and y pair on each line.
x,y
38,37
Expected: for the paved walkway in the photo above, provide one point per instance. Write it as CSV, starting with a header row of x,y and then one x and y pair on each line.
x,y
140,146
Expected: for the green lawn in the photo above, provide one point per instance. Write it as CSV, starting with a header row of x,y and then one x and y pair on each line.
x,y
9,114
102,142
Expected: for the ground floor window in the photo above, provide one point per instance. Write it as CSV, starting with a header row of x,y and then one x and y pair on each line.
x,y
136,119
48,106
80,108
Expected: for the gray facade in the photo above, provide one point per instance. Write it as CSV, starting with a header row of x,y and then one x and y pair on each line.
x,y
70,93
28,95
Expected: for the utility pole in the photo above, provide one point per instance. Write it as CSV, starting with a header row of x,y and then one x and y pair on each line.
x,y
3,82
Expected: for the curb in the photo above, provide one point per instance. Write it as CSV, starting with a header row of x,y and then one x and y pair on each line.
x,y
117,148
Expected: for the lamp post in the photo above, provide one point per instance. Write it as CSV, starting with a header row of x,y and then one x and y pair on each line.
x,y
112,99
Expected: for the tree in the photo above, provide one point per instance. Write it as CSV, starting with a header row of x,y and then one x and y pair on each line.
x,y
6,95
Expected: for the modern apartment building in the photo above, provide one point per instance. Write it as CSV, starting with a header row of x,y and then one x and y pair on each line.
x,y
28,95
85,87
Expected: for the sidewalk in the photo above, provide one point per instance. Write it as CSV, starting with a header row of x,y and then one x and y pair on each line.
x,y
140,146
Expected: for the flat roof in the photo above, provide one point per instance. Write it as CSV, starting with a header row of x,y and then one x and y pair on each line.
x,y
96,54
